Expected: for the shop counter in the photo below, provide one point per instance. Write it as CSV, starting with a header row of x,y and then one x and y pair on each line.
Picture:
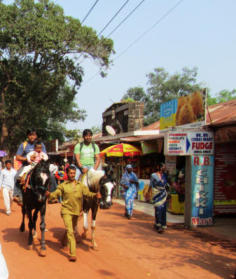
x,y
174,206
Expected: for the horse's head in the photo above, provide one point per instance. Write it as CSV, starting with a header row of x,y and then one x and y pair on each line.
x,y
40,180
96,179
106,190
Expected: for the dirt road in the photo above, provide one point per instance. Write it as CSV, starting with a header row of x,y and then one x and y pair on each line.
x,y
126,249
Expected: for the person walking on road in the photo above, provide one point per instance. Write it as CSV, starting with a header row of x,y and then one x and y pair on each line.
x,y
158,187
72,192
87,153
129,182
7,182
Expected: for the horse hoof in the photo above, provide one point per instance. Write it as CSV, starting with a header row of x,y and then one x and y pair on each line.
x,y
42,253
22,229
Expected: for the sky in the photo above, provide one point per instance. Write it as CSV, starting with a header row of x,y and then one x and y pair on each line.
x,y
197,33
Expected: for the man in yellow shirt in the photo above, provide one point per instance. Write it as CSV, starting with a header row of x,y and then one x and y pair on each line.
x,y
72,192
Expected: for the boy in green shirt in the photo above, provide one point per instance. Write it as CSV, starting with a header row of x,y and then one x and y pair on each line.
x,y
72,193
87,153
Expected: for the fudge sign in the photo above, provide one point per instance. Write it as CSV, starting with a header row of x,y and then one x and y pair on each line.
x,y
189,143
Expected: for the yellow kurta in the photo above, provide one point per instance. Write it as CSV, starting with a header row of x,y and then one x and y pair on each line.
x,y
72,196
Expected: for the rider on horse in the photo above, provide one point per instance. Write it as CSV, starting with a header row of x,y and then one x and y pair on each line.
x,y
24,149
87,153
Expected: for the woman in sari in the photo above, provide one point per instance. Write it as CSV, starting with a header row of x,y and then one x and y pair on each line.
x,y
129,182
158,184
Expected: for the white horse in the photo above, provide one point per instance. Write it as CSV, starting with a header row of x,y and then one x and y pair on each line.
x,y
96,181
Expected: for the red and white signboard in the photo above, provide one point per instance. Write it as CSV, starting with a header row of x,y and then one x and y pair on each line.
x,y
189,143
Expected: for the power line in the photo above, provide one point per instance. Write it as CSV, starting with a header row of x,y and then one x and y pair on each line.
x,y
141,36
90,10
149,29
125,18
113,17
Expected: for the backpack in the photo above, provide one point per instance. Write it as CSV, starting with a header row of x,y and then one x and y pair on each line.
x,y
24,146
81,146
18,164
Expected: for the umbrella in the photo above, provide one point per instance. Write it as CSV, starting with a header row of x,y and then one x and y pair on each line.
x,y
120,150
3,153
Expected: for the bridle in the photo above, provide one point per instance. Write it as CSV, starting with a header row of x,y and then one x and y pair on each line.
x,y
28,185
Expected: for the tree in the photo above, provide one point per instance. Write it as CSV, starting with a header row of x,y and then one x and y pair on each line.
x,y
221,97
75,134
162,88
39,70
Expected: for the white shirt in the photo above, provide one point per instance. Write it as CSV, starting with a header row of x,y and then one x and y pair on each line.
x,y
39,156
7,178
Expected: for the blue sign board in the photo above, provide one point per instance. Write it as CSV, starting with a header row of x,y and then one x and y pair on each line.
x,y
202,190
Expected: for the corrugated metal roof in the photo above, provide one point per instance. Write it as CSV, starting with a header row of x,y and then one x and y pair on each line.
x,y
153,126
221,114
141,138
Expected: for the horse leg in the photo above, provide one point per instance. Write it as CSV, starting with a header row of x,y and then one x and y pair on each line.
x,y
93,225
30,226
35,217
85,217
42,228
22,226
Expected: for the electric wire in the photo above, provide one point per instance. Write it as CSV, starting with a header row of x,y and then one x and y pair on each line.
x,y
90,10
140,37
140,3
149,29
115,15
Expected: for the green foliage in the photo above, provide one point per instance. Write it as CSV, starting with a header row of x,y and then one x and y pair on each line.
x,y
163,87
96,129
221,97
75,134
39,69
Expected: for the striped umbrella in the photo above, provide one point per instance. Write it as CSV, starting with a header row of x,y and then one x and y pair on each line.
x,y
120,150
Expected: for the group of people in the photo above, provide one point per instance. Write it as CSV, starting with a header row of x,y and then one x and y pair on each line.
x,y
71,190
157,192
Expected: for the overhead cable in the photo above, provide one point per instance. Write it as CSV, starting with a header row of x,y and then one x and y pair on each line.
x,y
140,37
90,10
115,15
125,18
149,29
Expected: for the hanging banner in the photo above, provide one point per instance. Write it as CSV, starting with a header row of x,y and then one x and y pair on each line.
x,y
187,111
189,143
202,190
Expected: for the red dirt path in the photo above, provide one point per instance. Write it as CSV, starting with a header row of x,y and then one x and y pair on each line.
x,y
126,249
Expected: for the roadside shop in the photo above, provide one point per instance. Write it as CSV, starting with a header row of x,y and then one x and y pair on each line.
x,y
189,151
